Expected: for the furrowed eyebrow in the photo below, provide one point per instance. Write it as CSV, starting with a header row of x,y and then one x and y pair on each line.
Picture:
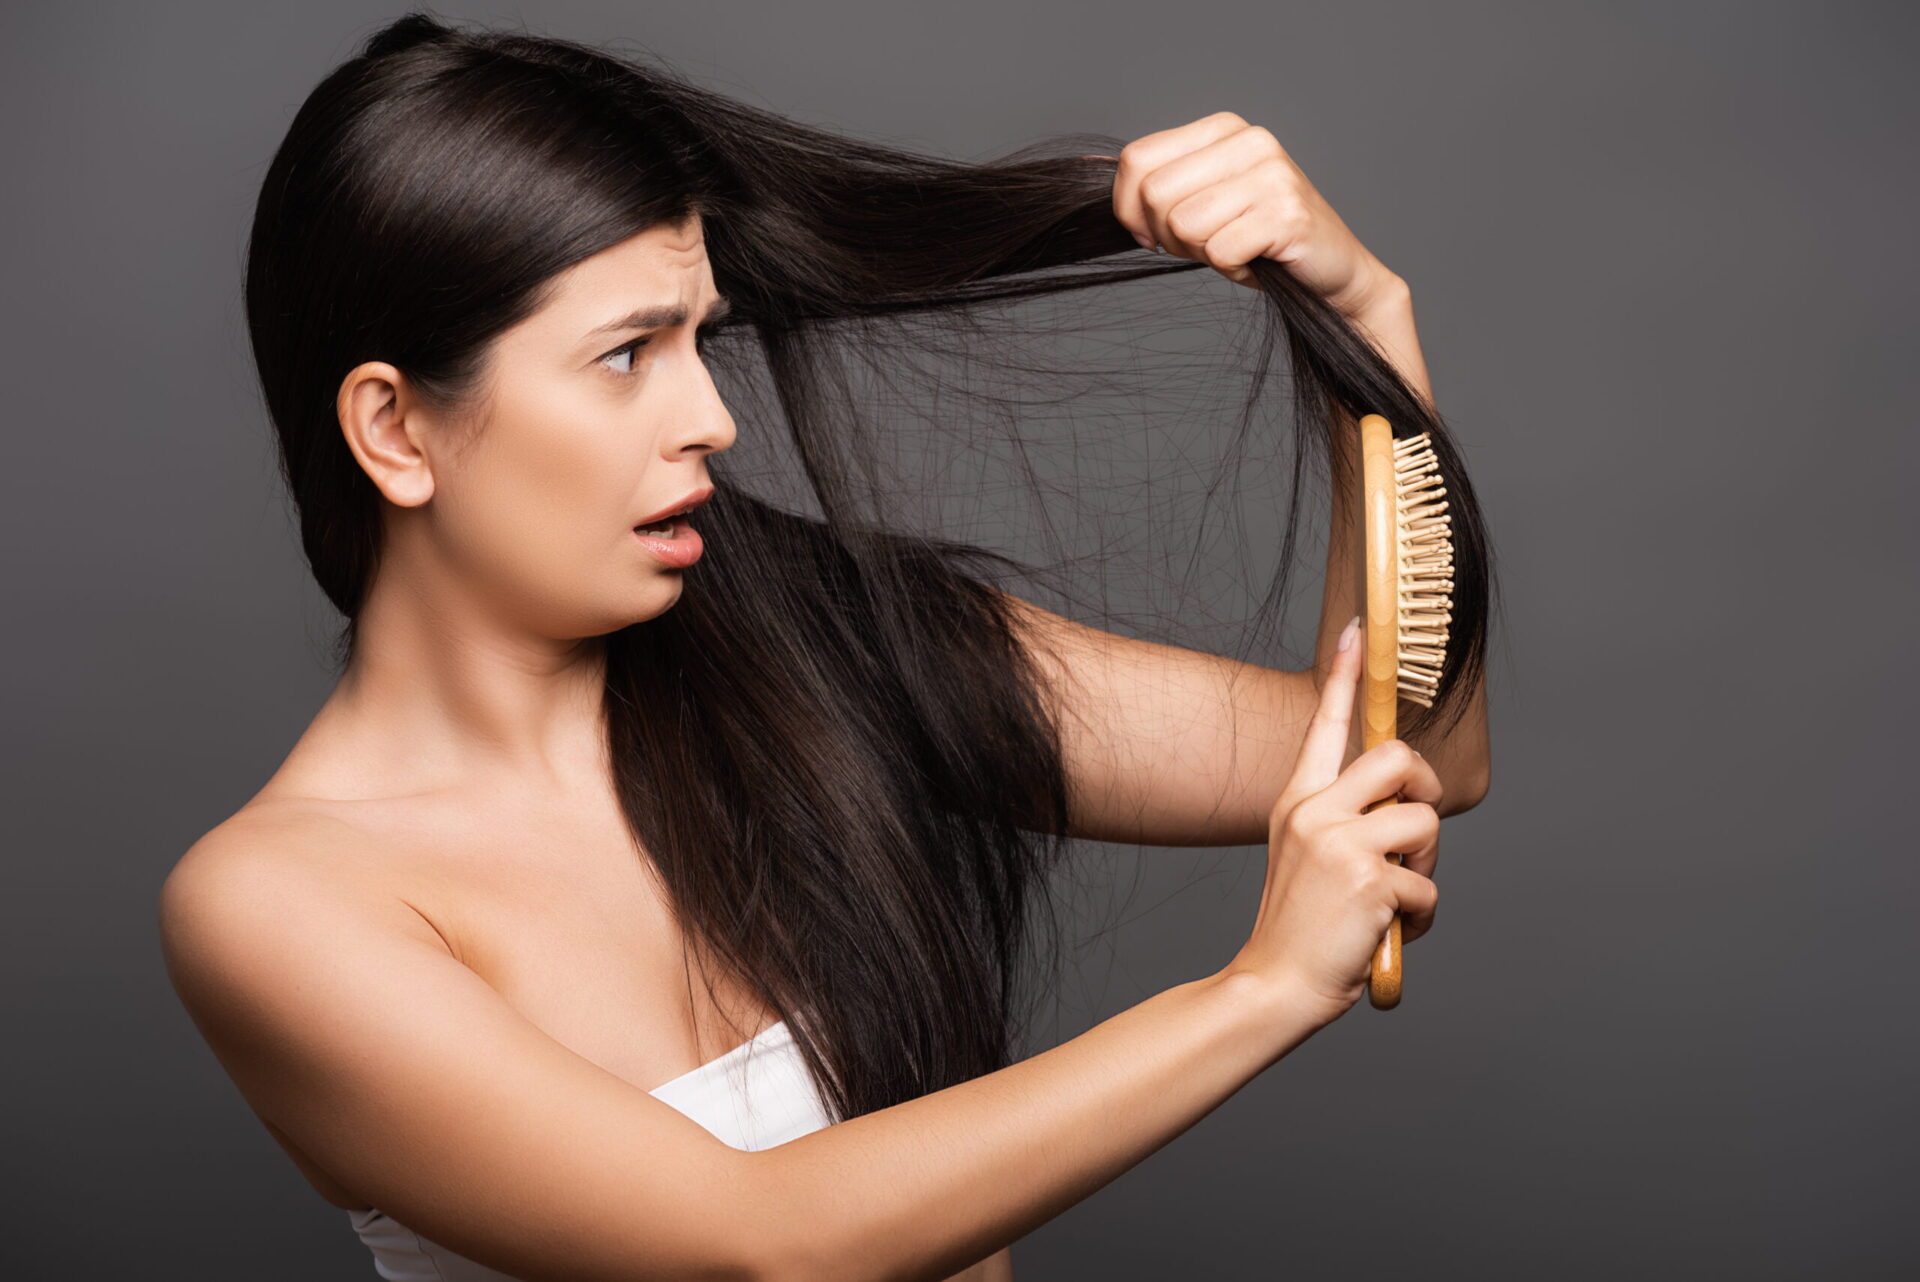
x,y
656,317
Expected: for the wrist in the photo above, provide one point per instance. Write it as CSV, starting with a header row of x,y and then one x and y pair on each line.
x,y
1388,325
1388,297
1274,1010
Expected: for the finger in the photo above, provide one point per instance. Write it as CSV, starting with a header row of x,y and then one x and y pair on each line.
x,y
1424,783
1389,769
1197,220
1150,151
1426,860
1417,898
1255,233
1410,830
1324,745
1191,179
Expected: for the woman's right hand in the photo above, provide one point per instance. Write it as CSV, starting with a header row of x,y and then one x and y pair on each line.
x,y
1331,892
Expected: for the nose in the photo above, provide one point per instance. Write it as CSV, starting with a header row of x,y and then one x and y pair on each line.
x,y
707,423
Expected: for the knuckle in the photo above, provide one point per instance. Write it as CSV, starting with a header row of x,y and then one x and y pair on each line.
x,y
1397,753
1277,813
1264,136
1310,817
1229,118
1371,880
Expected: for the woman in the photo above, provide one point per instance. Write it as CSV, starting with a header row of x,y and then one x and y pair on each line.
x,y
606,721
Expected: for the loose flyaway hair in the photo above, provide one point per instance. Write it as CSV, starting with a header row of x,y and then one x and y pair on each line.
x,y
833,749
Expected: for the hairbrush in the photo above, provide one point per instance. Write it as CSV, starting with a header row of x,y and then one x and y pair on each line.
x,y
1409,586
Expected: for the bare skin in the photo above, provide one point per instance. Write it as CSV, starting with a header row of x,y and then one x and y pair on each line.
x,y
438,970
459,766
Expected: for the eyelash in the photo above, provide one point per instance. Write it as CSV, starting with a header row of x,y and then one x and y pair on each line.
x,y
702,338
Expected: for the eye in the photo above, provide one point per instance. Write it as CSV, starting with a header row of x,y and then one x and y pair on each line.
x,y
702,338
627,350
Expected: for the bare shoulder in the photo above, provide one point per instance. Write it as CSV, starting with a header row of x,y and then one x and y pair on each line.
x,y
272,869
234,913
250,907
354,1031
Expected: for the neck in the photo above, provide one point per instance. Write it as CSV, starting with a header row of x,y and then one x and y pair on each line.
x,y
443,695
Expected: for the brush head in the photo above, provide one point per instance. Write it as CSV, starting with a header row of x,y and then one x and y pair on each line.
x,y
1423,549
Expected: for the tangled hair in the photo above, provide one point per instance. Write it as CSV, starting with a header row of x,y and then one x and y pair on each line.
x,y
833,749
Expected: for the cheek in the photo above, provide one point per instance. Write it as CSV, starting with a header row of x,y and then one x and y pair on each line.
x,y
548,498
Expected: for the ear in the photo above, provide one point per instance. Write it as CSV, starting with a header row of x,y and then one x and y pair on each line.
x,y
382,422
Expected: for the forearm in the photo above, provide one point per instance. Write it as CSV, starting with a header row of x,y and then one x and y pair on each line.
x,y
1461,758
928,1186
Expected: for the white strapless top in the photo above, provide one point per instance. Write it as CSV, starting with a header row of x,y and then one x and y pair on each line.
x,y
755,1096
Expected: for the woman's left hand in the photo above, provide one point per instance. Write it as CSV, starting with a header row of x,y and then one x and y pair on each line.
x,y
1225,192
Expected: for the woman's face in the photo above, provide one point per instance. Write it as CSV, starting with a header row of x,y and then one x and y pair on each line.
x,y
583,435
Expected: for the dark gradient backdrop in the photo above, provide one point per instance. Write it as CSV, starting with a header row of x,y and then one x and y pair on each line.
x,y
1663,265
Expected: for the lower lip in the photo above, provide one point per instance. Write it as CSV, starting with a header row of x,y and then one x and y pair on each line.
x,y
680,547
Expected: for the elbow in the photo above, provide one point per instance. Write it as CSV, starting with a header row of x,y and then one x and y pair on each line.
x,y
764,1255
769,1271
785,1241
772,1262
1465,794
807,1255
790,1265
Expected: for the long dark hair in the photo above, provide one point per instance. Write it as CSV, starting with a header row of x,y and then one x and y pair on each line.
x,y
833,748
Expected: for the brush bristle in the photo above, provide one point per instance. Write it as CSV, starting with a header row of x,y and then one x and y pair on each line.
x,y
1425,555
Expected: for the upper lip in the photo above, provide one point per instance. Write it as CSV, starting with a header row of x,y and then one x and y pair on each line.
x,y
686,504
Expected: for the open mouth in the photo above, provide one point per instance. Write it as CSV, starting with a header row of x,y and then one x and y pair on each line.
x,y
667,523
670,528
670,537
672,542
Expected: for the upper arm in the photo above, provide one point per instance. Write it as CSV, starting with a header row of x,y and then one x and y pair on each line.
x,y
348,1024
1165,745
1169,746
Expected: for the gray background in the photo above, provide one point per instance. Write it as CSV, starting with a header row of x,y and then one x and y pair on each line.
x,y
1662,262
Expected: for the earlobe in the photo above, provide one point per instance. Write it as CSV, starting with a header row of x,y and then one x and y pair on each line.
x,y
380,420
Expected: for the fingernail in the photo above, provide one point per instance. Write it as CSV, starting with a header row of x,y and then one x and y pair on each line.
x,y
1146,242
1349,632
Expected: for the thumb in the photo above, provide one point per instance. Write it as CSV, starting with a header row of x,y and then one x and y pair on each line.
x,y
1324,746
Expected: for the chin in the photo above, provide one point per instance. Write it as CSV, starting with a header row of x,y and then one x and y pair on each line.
x,y
660,596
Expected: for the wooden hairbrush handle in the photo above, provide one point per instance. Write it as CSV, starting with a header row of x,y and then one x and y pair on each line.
x,y
1380,699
